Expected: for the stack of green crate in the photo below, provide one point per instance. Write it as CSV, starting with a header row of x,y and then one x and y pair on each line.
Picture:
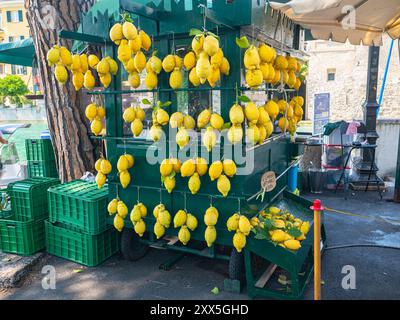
x,y
22,229
41,160
77,229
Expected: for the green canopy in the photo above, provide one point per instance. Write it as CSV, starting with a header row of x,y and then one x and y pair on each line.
x,y
20,53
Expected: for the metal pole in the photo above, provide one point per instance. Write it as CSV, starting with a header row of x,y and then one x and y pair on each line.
x,y
397,181
317,207
385,77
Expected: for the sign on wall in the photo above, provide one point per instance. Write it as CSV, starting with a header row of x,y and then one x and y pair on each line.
x,y
322,102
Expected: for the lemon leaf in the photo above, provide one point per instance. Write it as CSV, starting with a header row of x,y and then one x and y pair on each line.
x,y
227,125
243,42
195,32
294,232
155,53
213,35
244,99
215,291
166,104
146,101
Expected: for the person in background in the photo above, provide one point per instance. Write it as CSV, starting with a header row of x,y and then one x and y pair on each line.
x,y
2,140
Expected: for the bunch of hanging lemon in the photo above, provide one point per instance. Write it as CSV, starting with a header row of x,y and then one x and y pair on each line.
x,y
125,162
214,124
194,169
291,113
289,69
242,227
221,171
130,43
95,114
282,228
160,118
118,207
168,170
186,222
103,168
163,220
134,115
139,212
172,64
211,220
184,123
206,61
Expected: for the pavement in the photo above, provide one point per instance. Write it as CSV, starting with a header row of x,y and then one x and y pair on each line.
x,y
192,277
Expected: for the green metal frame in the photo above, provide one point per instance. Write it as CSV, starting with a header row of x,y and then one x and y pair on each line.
x,y
276,154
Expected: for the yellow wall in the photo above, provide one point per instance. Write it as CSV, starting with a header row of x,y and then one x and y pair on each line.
x,y
14,29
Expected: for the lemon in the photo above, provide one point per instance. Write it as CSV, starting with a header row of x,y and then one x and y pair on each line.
x,y
281,63
119,223
253,134
272,109
224,185
140,228
91,111
217,122
292,244
271,73
130,66
176,120
236,114
164,217
89,81
229,168
297,84
166,168
278,223
76,63
134,80
151,80
184,235
239,241
135,44
137,127
266,53
211,216
211,45
278,236
101,112
169,183
143,209
96,127
178,62
225,66
116,34
129,30
122,209
188,122
264,116
204,118
156,133
285,76
61,74
252,58
274,210
209,139
105,167
168,63
292,63
216,59
176,79
113,65
180,219
262,134
233,222
106,80
162,117
264,67
194,183
193,78
129,115
123,163
124,52
305,227
252,113
201,166
140,61
157,210
182,138
146,40
155,64
210,235
254,222
112,207
159,230
93,61
299,101
254,78
197,44
203,67
277,78
77,80
301,237
53,55
215,170
84,63
283,105
244,225
191,222
65,57
214,76
140,114
177,164
136,215
125,179
283,124
188,168
189,61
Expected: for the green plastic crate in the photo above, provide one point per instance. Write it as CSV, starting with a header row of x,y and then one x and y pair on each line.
x,y
42,169
23,238
80,247
29,198
79,204
39,150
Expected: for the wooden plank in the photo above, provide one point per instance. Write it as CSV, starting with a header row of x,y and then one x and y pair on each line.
x,y
262,281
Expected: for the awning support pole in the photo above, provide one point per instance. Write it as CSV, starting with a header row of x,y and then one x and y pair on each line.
x,y
385,76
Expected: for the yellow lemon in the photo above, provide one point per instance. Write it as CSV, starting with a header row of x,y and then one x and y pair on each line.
x,y
194,183
100,180
119,223
140,228
233,222
112,207
146,40
188,168
116,34
244,225
189,61
235,134
201,166
236,114
204,118
210,235
134,80
191,222
180,219
159,230
239,241
184,235
96,127
229,168
125,179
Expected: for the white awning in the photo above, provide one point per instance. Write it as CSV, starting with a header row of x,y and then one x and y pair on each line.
x,y
359,21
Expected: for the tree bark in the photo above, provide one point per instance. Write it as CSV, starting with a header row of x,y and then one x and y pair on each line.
x,y
70,131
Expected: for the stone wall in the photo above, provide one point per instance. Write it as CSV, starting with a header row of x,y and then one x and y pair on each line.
x,y
35,113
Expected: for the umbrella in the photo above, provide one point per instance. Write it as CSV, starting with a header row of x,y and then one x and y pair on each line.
x,y
359,21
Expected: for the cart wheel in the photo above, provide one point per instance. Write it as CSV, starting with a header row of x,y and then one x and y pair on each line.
x,y
236,266
131,248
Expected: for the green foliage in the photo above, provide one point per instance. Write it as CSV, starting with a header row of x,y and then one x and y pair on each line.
x,y
14,88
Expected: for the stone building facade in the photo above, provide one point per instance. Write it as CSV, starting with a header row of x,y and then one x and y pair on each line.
x,y
341,70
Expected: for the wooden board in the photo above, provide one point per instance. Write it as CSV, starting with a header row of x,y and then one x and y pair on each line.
x,y
262,281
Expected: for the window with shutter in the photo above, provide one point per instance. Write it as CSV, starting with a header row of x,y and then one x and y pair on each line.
x,y
8,16
20,16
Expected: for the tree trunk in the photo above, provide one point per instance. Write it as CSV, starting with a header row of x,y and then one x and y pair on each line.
x,y
74,150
